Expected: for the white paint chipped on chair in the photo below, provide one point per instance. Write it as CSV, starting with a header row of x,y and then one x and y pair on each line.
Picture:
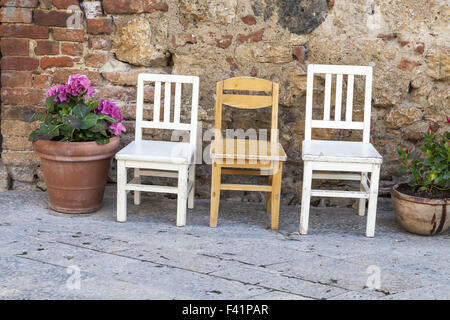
x,y
346,160
160,158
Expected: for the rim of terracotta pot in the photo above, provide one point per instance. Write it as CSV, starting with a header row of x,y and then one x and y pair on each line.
x,y
75,151
398,194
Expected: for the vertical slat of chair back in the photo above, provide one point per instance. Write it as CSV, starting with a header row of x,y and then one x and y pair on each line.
x,y
245,101
337,123
167,80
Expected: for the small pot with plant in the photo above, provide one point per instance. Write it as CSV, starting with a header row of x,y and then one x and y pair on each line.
x,y
76,140
422,205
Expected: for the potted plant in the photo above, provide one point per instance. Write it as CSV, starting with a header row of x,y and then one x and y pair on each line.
x,y
422,205
76,140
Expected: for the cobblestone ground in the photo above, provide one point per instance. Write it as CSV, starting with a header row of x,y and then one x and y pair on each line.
x,y
148,257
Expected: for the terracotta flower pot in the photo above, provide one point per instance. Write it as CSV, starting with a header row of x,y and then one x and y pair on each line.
x,y
421,215
75,173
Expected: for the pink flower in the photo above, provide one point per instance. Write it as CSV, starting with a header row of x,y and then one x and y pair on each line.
x,y
77,83
117,128
61,91
408,150
448,119
110,109
430,128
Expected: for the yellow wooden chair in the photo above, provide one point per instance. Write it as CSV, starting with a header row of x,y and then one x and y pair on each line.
x,y
247,156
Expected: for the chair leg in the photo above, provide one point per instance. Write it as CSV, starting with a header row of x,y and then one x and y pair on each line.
x,y
306,197
121,192
269,197
276,194
137,194
362,201
215,193
373,197
182,196
192,191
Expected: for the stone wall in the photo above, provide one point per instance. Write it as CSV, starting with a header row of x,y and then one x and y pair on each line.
x,y
407,43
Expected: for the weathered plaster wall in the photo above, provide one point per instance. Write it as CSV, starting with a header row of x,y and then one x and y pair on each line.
x,y
407,43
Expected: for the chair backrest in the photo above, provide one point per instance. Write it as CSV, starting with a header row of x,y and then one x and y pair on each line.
x,y
268,97
337,122
167,123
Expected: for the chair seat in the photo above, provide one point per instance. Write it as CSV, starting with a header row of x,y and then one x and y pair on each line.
x,y
244,149
157,151
340,151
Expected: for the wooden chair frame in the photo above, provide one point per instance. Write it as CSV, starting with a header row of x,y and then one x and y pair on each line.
x,y
256,157
364,165
185,172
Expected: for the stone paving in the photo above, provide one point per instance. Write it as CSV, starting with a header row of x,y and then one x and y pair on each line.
x,y
148,257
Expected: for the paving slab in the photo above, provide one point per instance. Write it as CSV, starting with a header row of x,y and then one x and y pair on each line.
x,y
148,257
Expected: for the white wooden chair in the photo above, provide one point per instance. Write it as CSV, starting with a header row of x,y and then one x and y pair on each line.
x,y
160,158
342,157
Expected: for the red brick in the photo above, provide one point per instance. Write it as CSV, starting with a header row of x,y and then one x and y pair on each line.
x,y
139,6
299,53
12,79
14,112
100,43
181,39
96,60
420,49
224,42
122,94
153,5
61,75
15,47
49,48
19,3
64,4
15,128
15,15
233,64
250,20
20,31
407,65
72,49
74,35
46,4
99,26
48,62
19,63
42,81
20,158
16,144
386,37
22,96
404,43
252,37
51,18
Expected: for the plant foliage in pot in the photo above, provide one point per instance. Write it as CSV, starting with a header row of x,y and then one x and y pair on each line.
x,y
422,205
76,140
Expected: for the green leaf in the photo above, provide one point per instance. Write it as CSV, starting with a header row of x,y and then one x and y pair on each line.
x,y
89,121
46,131
49,103
73,121
93,105
100,126
107,118
31,116
80,110
102,141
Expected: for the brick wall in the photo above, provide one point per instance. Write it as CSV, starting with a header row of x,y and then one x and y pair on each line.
x,y
38,51
405,41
